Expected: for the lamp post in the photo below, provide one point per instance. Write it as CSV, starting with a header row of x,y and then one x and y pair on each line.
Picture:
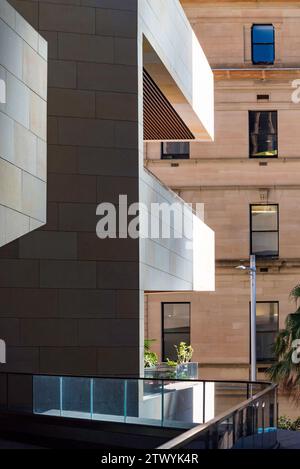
x,y
252,272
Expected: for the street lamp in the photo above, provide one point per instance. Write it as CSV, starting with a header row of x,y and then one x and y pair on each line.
x,y
252,272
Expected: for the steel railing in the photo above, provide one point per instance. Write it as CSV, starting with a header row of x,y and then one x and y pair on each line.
x,y
251,424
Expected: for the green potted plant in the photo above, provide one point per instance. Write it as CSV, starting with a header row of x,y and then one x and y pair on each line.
x,y
185,369
154,369
150,358
182,368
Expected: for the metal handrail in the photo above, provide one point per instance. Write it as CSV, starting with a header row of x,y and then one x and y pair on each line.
x,y
59,375
194,432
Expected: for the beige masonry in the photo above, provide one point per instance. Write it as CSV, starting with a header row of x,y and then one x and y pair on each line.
x,y
23,116
227,181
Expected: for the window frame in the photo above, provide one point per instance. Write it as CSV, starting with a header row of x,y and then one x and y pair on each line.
x,y
262,360
269,157
162,323
264,231
262,43
178,156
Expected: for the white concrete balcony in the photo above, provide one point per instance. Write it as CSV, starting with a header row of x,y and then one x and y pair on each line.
x,y
171,54
176,90
180,255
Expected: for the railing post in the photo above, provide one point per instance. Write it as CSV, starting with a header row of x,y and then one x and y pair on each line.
x,y
204,401
162,403
263,423
60,395
32,387
125,400
235,422
215,437
92,397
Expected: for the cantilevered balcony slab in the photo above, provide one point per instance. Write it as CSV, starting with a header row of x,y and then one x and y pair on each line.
x,y
173,57
185,261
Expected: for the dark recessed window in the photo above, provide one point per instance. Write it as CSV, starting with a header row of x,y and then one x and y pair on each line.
x,y
263,97
175,150
264,227
175,327
267,325
263,134
263,47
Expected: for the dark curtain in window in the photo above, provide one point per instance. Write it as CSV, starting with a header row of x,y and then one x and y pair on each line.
x,y
263,134
175,150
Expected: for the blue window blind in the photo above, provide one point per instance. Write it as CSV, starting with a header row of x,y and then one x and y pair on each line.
x,y
263,44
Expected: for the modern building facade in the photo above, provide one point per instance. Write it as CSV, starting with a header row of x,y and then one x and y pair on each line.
x,y
72,303
248,181
23,113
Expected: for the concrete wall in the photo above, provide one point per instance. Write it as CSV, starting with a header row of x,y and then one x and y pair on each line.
x,y
23,77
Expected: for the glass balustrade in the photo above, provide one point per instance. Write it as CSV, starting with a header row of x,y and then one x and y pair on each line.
x,y
155,402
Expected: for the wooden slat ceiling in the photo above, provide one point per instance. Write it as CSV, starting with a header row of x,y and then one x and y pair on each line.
x,y
161,121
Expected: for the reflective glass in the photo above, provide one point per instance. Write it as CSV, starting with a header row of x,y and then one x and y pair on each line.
x,y
263,44
263,134
265,244
263,53
264,217
263,33
264,346
176,327
267,316
175,150
76,397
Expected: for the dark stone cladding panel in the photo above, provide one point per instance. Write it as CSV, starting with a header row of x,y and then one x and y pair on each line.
x,y
69,303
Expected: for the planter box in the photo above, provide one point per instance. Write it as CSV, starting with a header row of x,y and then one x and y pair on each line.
x,y
162,371
184,371
187,371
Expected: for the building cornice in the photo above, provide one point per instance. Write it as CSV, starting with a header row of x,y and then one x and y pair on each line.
x,y
277,73
274,265
235,187
159,162
193,3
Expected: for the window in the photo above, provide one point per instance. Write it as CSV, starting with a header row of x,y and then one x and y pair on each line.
x,y
264,226
263,134
175,150
267,325
263,48
175,327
